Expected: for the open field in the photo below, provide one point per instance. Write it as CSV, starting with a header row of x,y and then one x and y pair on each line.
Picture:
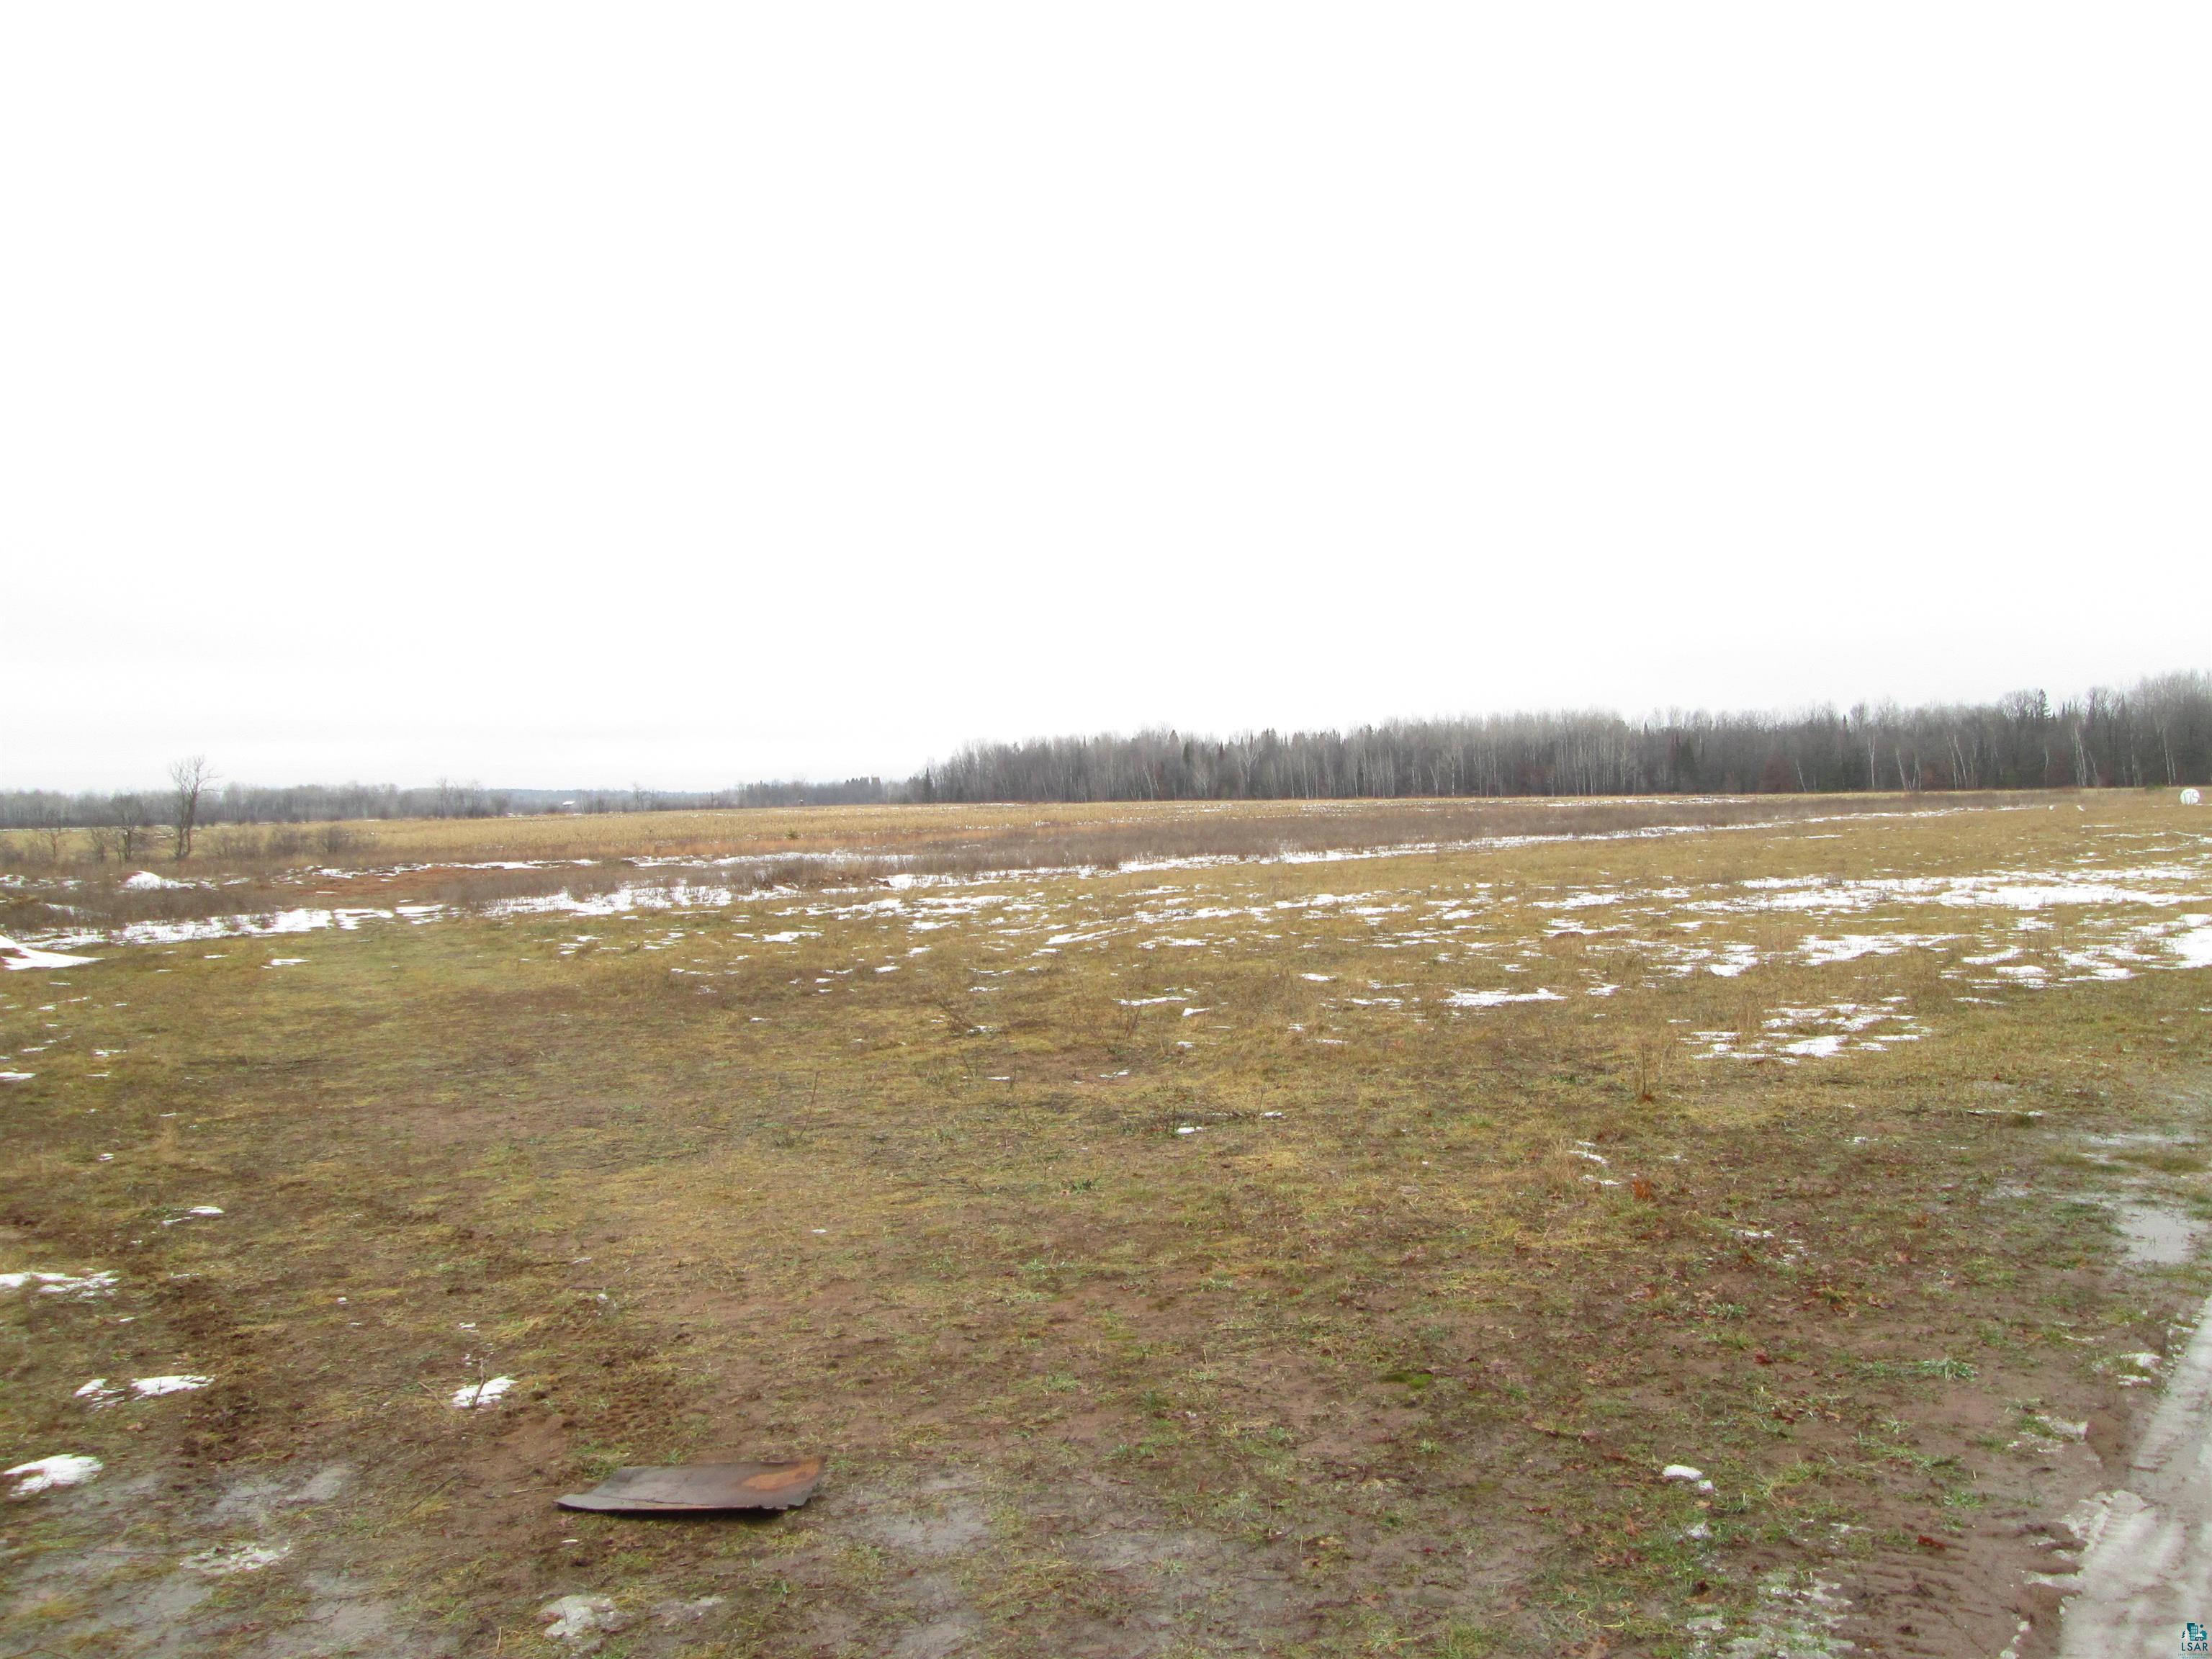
x,y
296,877
1284,1229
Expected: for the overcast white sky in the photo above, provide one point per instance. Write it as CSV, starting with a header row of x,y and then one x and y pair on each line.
x,y
562,395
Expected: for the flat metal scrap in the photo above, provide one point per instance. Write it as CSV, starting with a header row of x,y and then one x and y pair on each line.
x,y
701,1488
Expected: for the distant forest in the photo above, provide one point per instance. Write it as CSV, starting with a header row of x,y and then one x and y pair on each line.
x,y
325,802
2158,734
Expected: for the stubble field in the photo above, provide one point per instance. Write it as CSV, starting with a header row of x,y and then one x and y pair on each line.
x,y
1277,1230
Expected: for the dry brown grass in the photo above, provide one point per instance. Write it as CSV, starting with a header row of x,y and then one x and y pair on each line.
x,y
59,887
966,838
1392,1373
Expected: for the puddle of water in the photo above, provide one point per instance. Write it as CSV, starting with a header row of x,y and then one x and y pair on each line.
x,y
2137,1138
2156,1238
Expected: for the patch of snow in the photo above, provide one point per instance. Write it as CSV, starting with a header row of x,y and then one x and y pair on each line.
x,y
52,1473
1850,947
1798,1618
22,956
582,1617
2194,947
1495,998
151,1388
147,882
1849,1026
473,1395
227,1559
83,1287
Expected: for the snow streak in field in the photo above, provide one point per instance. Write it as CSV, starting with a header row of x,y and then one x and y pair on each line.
x,y
2120,909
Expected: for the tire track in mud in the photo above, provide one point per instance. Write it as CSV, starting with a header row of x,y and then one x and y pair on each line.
x,y
2148,1568
2143,1534
1931,1608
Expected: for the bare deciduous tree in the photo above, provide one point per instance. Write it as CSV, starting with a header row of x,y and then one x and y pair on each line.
x,y
187,778
128,823
53,831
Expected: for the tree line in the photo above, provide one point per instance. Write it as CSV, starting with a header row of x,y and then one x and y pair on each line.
x,y
191,801
2158,733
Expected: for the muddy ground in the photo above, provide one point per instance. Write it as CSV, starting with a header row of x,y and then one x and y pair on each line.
x,y
1229,1257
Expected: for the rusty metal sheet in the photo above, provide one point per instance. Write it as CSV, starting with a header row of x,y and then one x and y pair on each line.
x,y
694,1488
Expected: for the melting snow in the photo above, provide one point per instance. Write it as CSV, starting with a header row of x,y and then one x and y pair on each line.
x,y
582,1617
1821,953
1824,1047
1850,1025
51,1474
1798,1618
473,1395
22,956
1495,998
98,1393
227,1559
83,1287
150,1387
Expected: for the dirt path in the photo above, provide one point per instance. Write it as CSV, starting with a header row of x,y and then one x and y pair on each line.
x,y
2148,1569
